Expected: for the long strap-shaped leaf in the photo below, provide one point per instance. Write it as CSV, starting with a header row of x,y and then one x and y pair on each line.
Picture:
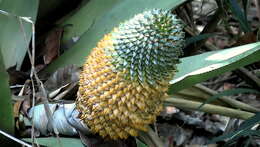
x,y
6,112
198,68
16,33
120,12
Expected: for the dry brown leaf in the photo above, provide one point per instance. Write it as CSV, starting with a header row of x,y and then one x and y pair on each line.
x,y
16,77
228,86
16,108
247,38
63,76
52,45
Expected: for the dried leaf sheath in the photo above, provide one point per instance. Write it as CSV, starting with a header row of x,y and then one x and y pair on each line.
x,y
127,74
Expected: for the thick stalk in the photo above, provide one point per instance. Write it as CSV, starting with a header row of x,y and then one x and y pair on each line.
x,y
209,108
232,102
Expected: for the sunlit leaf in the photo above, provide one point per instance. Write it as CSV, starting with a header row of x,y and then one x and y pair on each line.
x,y
198,68
54,142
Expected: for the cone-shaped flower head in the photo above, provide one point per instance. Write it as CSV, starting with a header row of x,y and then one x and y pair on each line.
x,y
126,76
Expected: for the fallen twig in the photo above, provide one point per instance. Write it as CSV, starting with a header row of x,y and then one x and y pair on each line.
x,y
33,75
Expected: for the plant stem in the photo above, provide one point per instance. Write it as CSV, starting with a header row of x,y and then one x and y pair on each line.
x,y
232,102
151,138
249,77
209,108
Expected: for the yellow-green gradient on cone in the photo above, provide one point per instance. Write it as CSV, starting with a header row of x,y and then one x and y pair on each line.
x,y
127,74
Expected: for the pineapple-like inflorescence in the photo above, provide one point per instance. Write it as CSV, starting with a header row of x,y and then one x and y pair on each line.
x,y
127,74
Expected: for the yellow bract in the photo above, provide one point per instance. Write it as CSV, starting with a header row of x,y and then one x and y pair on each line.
x,y
110,104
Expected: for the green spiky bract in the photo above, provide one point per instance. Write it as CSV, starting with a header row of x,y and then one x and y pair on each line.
x,y
149,46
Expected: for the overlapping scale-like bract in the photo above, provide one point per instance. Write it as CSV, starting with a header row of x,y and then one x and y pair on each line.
x,y
149,45
126,76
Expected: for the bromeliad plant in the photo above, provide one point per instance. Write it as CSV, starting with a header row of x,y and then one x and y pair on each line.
x,y
130,71
126,77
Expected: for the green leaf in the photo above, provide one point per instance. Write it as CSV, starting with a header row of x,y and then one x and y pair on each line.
x,y
248,142
139,143
240,15
250,122
197,38
122,11
6,109
243,130
53,142
228,93
198,68
245,4
13,43
90,12
233,141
